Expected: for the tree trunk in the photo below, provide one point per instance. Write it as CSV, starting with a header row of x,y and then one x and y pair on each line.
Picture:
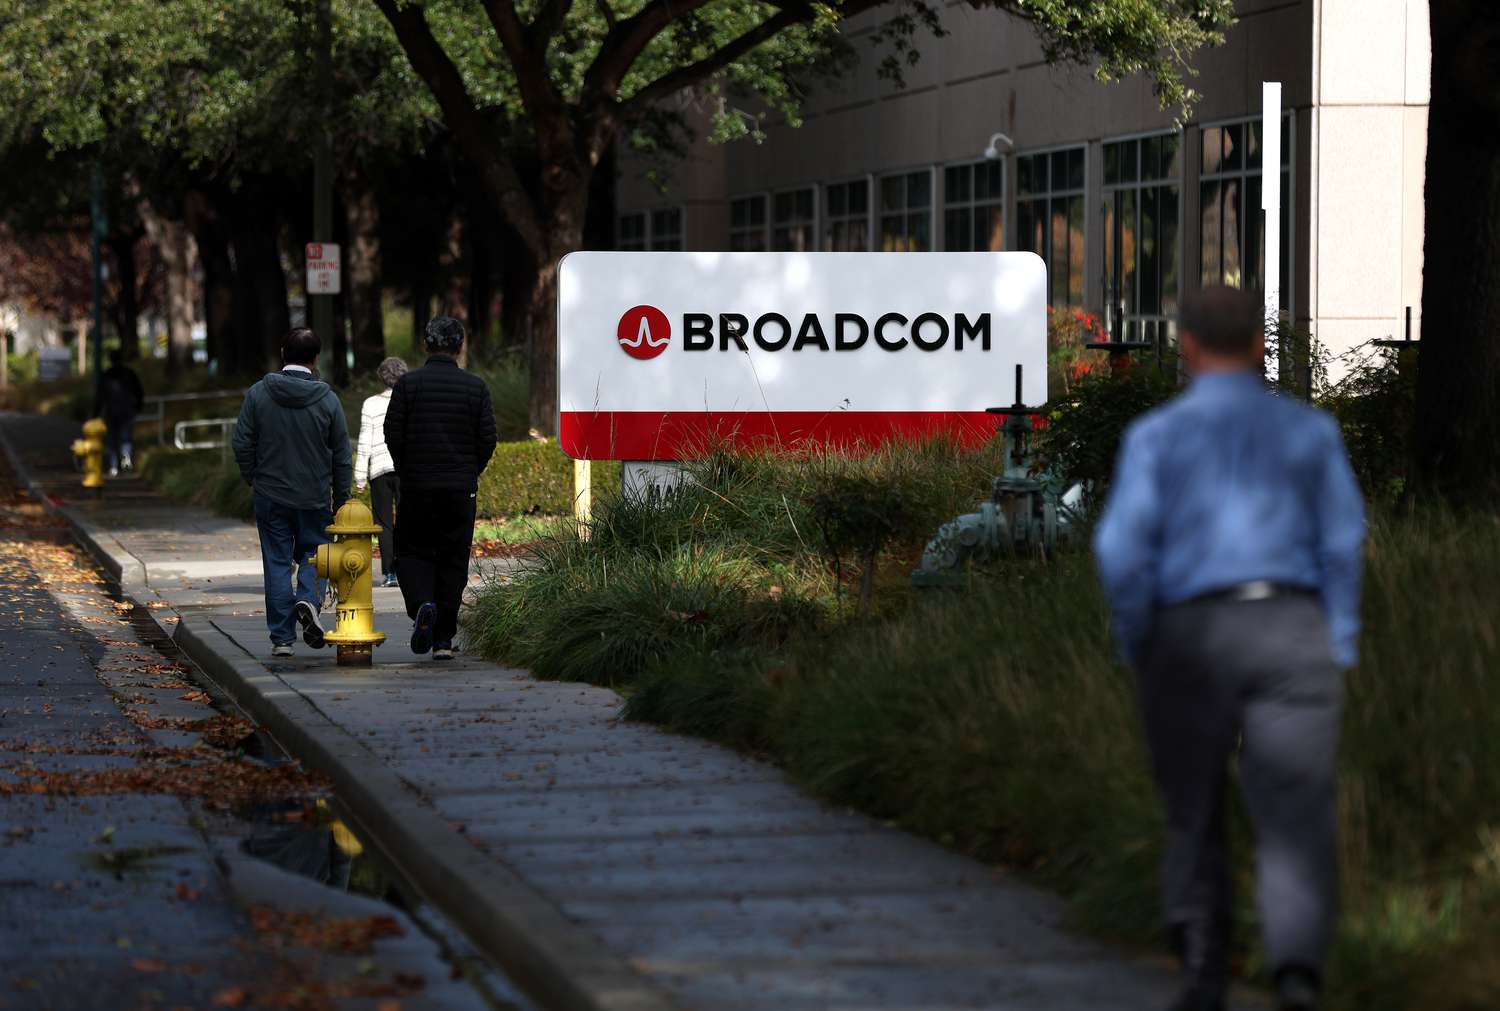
x,y
261,314
480,290
127,308
218,285
541,347
421,312
178,252
362,218
453,296
1458,415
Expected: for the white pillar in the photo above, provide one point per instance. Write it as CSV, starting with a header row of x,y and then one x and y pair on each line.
x,y
1270,202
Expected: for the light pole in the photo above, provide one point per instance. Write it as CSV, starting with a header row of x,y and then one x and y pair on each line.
x,y
320,306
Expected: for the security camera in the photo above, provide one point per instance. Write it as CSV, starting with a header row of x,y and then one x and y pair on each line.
x,y
993,151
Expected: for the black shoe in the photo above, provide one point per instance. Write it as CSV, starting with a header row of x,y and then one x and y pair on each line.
x,y
442,651
1297,989
421,631
312,629
390,580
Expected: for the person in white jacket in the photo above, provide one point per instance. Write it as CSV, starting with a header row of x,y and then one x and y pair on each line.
x,y
373,466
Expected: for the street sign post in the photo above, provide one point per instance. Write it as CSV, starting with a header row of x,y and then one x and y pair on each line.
x,y
662,354
322,268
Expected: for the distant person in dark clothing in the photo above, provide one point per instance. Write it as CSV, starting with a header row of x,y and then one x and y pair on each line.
x,y
440,431
372,465
120,399
292,447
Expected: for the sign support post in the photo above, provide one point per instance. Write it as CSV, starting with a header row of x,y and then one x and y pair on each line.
x,y
1270,202
583,496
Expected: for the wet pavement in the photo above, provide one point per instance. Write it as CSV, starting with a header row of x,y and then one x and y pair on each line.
x,y
125,799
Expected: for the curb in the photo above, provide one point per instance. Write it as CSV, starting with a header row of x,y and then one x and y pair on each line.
x,y
558,964
126,569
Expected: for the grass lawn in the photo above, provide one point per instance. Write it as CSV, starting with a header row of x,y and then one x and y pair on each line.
x,y
994,719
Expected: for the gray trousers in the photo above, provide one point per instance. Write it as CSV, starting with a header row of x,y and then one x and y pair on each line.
x,y
1257,677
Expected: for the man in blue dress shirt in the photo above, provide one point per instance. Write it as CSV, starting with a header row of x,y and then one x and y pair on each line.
x,y
1231,548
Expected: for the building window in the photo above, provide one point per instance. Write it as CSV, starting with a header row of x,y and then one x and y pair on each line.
x,y
1231,226
1049,218
659,229
666,228
632,232
1142,200
846,224
906,212
747,223
794,222
974,206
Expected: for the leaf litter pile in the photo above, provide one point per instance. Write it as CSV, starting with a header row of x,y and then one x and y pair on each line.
x,y
194,752
214,770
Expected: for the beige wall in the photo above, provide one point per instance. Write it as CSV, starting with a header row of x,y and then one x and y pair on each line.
x,y
1372,69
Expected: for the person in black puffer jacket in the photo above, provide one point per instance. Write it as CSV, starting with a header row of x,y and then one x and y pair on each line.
x,y
440,431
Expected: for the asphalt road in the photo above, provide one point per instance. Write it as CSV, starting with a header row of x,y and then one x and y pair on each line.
x,y
126,803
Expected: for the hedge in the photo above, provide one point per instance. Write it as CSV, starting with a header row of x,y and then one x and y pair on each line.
x,y
534,476
522,478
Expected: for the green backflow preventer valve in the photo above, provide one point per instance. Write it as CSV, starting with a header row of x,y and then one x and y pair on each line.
x,y
1018,519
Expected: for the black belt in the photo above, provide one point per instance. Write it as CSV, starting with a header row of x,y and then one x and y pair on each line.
x,y
1257,589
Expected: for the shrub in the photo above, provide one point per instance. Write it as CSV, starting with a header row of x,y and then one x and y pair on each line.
x,y
197,477
1375,404
1082,434
534,476
575,617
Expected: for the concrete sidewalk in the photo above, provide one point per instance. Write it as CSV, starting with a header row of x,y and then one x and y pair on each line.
x,y
602,863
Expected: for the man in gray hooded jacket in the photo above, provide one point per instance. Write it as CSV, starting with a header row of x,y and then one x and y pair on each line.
x,y
292,447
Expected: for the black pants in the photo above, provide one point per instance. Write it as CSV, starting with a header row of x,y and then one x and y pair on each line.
x,y
434,534
385,500
1258,679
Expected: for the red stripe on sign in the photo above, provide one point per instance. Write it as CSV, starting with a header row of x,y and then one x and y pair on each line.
x,y
678,435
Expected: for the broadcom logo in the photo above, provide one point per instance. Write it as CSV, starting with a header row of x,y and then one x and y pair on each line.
x,y
644,332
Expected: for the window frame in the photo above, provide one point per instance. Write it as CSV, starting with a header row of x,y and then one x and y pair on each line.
x,y
648,230
827,220
811,223
764,227
1051,194
1288,201
1163,325
1004,201
879,214
645,233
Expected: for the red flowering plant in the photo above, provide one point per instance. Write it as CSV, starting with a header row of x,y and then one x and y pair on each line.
x,y
1069,329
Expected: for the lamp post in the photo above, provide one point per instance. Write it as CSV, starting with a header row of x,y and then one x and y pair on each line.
x,y
320,306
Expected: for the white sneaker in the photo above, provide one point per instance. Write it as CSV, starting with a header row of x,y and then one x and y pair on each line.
x,y
281,650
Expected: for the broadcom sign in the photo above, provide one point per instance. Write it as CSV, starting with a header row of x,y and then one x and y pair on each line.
x,y
660,354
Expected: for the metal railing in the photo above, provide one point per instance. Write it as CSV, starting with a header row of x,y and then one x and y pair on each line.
x,y
225,427
182,428
156,407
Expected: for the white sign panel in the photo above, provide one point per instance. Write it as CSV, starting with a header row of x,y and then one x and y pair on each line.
x,y
662,353
322,268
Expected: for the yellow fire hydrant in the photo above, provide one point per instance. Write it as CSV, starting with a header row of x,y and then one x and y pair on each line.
x,y
90,449
346,563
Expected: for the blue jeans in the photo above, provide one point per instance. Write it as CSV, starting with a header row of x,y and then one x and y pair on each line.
x,y
289,537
